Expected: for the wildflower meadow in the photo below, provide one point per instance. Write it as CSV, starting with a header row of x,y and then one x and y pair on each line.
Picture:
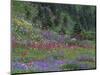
x,y
49,37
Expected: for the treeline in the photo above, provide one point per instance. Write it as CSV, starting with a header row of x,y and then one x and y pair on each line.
x,y
61,18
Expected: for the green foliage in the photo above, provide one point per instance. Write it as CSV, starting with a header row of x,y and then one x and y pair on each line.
x,y
70,67
56,17
32,54
24,30
71,42
21,28
77,29
90,35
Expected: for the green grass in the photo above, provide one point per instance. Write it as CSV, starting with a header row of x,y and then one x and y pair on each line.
x,y
33,54
36,54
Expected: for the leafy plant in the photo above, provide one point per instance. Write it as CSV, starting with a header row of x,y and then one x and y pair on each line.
x,y
70,67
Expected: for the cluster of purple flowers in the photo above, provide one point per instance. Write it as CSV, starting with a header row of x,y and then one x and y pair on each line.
x,y
19,66
53,36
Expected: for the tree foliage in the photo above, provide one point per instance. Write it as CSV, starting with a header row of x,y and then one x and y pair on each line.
x,y
60,18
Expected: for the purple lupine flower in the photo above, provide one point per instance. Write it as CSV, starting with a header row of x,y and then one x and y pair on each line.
x,y
61,39
59,62
49,35
72,62
47,66
40,65
86,58
84,66
19,66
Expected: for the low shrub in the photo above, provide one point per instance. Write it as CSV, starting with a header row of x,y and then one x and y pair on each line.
x,y
89,35
70,67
